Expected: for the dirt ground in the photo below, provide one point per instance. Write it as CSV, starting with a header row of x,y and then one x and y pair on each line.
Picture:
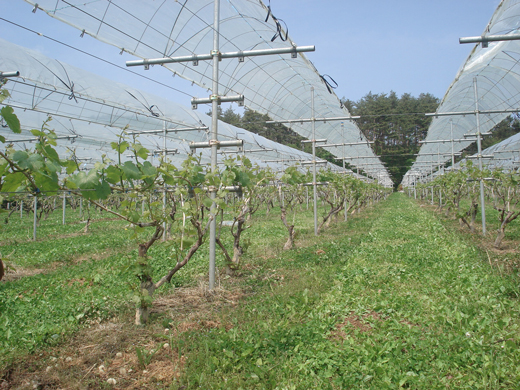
x,y
120,355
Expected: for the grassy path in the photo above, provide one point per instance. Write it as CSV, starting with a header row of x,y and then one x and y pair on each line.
x,y
395,300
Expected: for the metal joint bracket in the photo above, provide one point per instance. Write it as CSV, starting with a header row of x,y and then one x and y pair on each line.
x,y
219,144
216,53
220,99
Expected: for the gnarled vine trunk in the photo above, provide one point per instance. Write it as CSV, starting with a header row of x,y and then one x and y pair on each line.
x,y
290,229
147,287
501,233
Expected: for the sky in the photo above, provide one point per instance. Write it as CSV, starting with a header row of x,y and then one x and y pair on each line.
x,y
377,46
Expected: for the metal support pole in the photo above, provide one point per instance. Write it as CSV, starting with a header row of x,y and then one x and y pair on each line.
x,y
452,147
344,169
64,206
214,138
479,146
21,209
314,186
35,221
236,54
490,38
164,189
431,179
81,207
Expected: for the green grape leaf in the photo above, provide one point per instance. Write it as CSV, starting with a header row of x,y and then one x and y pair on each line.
x,y
103,190
4,94
70,166
37,133
207,202
47,183
86,181
243,179
20,157
148,169
120,147
11,119
141,151
113,174
13,181
53,166
131,170
51,153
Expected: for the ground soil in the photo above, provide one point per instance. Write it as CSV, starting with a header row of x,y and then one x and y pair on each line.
x,y
106,352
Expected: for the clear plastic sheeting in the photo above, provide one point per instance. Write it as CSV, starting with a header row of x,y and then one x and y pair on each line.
x,y
489,81
277,85
504,155
89,112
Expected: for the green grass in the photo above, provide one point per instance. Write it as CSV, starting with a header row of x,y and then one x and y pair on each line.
x,y
389,299
86,277
20,229
434,315
492,222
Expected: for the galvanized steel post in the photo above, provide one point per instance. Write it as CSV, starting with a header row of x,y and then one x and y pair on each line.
x,y
35,221
214,138
452,148
314,184
479,148
64,206
164,189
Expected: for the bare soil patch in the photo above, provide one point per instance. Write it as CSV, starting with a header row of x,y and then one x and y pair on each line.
x,y
15,272
107,352
355,322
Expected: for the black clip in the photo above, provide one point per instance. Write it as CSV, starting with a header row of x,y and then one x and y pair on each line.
x,y
330,87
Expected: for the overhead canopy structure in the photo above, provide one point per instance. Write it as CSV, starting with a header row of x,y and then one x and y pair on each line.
x,y
488,82
89,112
504,155
277,85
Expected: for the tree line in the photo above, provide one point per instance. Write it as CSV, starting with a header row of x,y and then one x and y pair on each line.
x,y
395,123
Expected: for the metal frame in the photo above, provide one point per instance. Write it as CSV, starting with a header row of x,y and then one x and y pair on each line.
x,y
215,99
294,50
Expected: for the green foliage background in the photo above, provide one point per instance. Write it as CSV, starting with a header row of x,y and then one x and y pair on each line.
x,y
395,123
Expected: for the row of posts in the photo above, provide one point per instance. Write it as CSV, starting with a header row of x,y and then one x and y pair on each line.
x,y
35,211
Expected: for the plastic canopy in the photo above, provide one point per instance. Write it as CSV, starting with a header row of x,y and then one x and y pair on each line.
x,y
277,85
89,112
503,155
489,81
